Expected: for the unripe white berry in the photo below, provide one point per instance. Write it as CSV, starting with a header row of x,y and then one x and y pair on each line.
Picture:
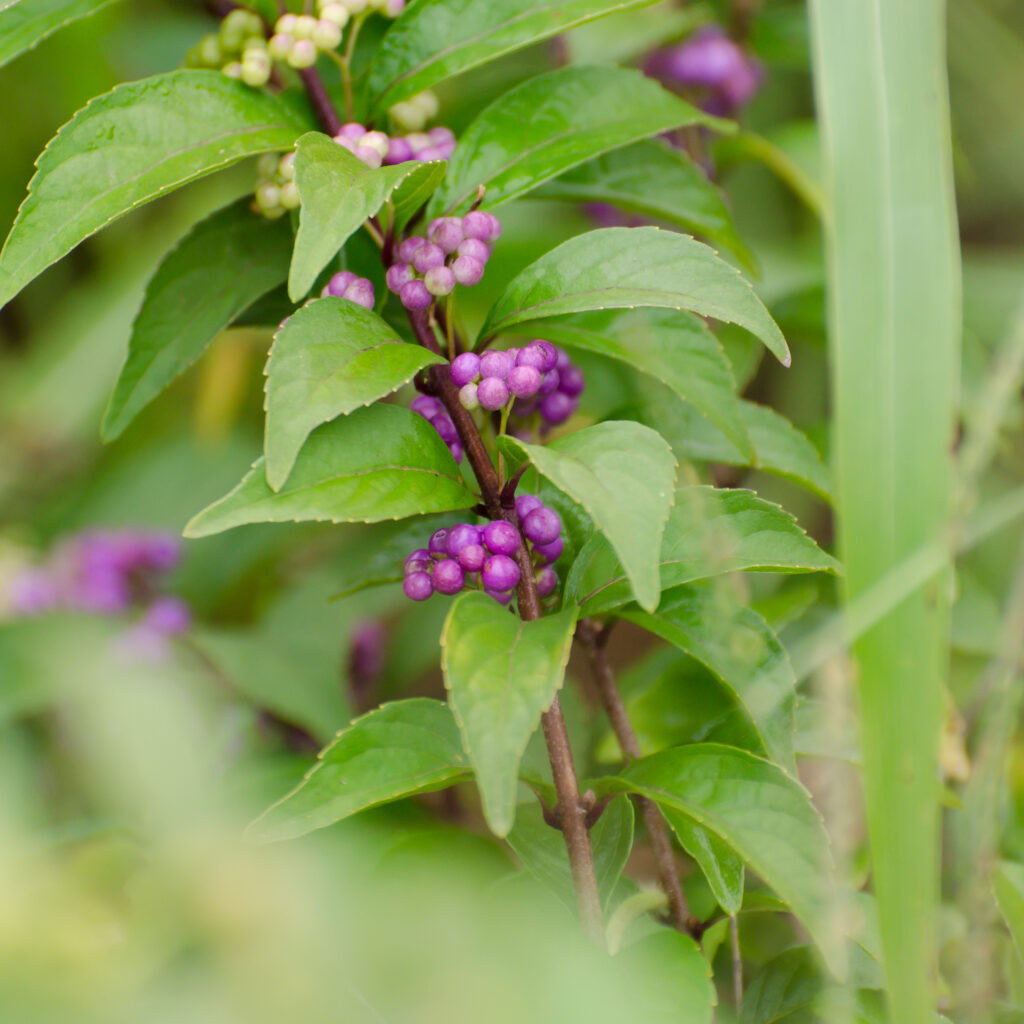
x,y
286,167
335,13
267,165
377,5
280,45
255,44
290,195
326,35
418,140
407,117
268,195
286,24
302,54
255,74
232,70
210,52
426,103
376,140
305,25
370,156
355,6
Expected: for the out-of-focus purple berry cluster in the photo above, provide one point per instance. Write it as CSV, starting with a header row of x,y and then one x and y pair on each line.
x,y
376,148
710,63
469,556
435,414
108,572
455,251
346,285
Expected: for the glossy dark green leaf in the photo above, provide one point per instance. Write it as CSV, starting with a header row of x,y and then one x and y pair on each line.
x,y
710,531
436,39
379,463
616,268
131,145
339,193
25,23
330,358
763,813
654,179
722,866
541,848
553,122
501,673
410,746
216,272
735,643
623,474
677,349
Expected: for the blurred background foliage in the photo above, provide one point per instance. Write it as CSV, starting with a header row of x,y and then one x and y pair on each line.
x,y
126,784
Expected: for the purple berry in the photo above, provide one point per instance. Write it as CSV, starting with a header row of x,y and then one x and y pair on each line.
x,y
571,381
524,381
445,149
414,295
496,364
501,538
455,447
428,256
558,407
550,552
426,406
465,368
550,352
397,275
408,248
418,554
439,280
445,232
369,155
416,565
462,536
439,542
337,284
475,248
547,580
418,586
430,153
444,426
533,355
360,291
526,503
168,615
468,270
472,557
500,598
542,526
468,396
440,134
492,393
477,225
448,576
499,573
399,151
353,130
561,359
495,227
550,382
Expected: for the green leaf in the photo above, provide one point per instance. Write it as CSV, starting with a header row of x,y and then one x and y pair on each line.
x,y
710,531
623,474
436,39
541,849
677,350
1008,884
131,145
339,193
764,814
553,122
895,324
410,746
654,179
379,463
25,23
217,271
780,448
501,674
615,268
784,989
673,982
330,358
722,866
736,644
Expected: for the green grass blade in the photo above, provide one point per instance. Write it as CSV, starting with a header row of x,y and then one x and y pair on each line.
x,y
894,324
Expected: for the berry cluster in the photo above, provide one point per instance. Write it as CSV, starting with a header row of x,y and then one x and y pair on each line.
x,y
298,39
276,191
375,148
434,413
539,378
455,251
238,49
345,285
483,557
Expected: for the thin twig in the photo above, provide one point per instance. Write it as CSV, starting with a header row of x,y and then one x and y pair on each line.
x,y
318,96
737,962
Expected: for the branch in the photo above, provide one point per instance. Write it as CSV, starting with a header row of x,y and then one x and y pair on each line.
x,y
595,640
318,96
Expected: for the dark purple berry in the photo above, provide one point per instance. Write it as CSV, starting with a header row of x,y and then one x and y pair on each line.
x,y
542,526
419,553
472,557
547,580
558,407
408,248
439,542
561,359
465,368
550,552
168,615
571,381
533,355
455,447
416,565
550,352
524,381
461,536
445,427
525,504
337,284
448,576
414,295
492,393
550,381
426,406
499,573
501,538
496,364
500,598
468,271
417,586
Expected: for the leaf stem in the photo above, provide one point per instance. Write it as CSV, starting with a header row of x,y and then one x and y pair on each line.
x,y
594,641
737,962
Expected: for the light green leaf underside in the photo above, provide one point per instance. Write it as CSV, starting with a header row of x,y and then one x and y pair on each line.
x,y
676,349
339,193
616,268
26,23
709,532
410,746
379,463
623,474
438,39
219,269
501,673
553,122
721,865
129,146
330,358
